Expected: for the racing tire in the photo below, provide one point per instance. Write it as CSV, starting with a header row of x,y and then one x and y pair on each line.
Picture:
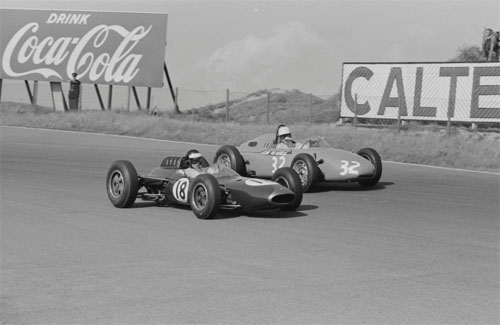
x,y
122,184
305,166
287,177
204,196
373,156
230,156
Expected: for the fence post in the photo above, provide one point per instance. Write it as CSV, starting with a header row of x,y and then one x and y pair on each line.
x,y
355,111
474,126
268,104
310,108
227,104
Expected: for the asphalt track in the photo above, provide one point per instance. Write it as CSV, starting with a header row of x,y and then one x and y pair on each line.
x,y
422,247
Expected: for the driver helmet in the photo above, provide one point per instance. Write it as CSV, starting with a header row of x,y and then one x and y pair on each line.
x,y
195,160
285,134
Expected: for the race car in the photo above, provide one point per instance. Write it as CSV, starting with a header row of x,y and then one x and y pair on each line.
x,y
214,187
314,161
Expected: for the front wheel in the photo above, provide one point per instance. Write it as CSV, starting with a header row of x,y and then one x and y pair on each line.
x,y
306,168
287,177
122,184
204,196
373,156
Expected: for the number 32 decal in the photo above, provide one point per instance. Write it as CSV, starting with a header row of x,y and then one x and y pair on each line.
x,y
349,167
278,162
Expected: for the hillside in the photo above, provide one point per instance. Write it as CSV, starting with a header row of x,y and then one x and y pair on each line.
x,y
285,106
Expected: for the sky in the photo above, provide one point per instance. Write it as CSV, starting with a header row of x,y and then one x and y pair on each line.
x,y
246,46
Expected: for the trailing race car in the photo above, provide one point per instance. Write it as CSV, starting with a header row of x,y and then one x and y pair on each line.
x,y
210,188
314,161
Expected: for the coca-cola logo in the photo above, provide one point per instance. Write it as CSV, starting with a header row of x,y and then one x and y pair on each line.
x,y
28,53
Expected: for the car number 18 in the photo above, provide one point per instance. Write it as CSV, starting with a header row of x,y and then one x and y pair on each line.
x,y
180,190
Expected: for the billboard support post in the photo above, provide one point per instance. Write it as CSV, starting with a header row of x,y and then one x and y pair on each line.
x,y
35,93
28,88
110,96
99,97
176,96
59,101
171,87
136,97
148,102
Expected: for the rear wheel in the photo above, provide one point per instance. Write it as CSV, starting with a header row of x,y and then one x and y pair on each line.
x,y
306,168
230,156
373,156
122,184
287,177
204,196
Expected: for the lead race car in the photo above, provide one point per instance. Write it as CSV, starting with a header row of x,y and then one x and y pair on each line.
x,y
215,187
314,161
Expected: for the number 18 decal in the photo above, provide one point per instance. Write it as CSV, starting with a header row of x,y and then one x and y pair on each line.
x,y
278,162
349,167
180,190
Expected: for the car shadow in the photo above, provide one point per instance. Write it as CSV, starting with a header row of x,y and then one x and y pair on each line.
x,y
354,187
144,204
230,214
272,214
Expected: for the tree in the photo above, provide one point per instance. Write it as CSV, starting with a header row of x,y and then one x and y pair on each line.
x,y
469,54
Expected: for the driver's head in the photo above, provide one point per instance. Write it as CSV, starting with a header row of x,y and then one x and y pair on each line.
x,y
195,160
284,134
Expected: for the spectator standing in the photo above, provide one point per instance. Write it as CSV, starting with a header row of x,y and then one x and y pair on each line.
x,y
74,93
496,46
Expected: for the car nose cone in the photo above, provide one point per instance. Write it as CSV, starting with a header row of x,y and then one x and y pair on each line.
x,y
281,196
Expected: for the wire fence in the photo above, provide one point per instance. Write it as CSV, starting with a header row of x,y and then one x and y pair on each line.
x,y
264,106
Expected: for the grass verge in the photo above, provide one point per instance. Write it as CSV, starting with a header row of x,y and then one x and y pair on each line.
x,y
430,146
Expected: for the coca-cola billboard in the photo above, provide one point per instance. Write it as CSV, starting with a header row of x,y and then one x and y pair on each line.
x,y
102,47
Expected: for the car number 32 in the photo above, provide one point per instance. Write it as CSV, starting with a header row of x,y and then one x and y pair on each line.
x,y
278,162
349,167
180,190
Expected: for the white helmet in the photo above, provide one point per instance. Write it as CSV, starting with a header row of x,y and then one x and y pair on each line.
x,y
194,155
195,159
284,130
